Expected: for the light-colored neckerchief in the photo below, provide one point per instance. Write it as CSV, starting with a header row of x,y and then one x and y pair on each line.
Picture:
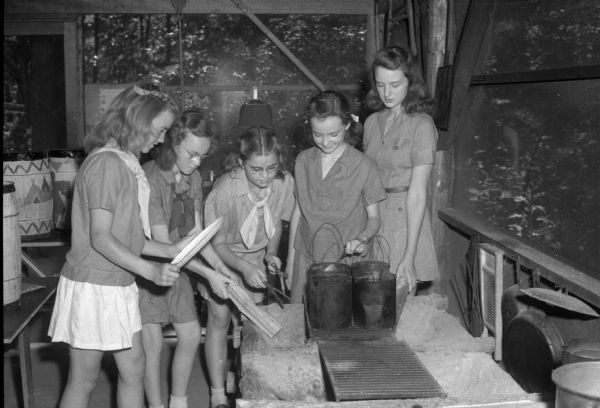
x,y
328,161
250,225
133,164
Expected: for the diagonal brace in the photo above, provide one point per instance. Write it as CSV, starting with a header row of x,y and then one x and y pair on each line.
x,y
244,8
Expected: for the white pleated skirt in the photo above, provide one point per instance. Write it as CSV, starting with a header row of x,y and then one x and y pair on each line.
x,y
97,317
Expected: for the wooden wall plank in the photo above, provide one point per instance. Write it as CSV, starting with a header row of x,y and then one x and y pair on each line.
x,y
33,28
191,7
476,24
74,87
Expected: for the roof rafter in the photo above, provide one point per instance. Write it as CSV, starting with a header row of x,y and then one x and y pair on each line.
x,y
25,7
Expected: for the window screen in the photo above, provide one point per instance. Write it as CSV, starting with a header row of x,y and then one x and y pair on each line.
x,y
528,152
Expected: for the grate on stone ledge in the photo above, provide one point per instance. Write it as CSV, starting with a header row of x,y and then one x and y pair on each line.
x,y
375,370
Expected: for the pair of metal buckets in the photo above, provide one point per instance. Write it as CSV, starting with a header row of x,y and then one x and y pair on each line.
x,y
340,296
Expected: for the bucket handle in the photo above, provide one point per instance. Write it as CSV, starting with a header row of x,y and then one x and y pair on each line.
x,y
372,254
340,242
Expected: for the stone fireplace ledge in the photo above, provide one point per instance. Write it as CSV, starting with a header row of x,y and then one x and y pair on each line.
x,y
285,371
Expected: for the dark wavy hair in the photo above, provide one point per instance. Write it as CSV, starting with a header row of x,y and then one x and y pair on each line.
x,y
129,118
333,103
257,140
193,121
418,99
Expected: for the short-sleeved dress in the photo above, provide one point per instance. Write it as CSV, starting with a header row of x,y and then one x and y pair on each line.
x,y
229,199
87,313
340,199
410,141
172,204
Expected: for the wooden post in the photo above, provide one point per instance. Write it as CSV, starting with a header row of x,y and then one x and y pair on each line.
x,y
371,41
499,286
440,188
74,88
242,6
437,40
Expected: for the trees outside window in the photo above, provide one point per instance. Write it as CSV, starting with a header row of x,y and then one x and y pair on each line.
x,y
224,56
529,150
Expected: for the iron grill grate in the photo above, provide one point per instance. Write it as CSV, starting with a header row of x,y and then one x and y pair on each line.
x,y
376,370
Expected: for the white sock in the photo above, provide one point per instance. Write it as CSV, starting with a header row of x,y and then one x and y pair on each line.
x,y
178,402
156,406
217,396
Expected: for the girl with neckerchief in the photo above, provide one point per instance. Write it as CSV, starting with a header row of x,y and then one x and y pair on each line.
x,y
254,198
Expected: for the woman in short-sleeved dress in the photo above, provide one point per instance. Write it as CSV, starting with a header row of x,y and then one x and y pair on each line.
x,y
401,138
337,190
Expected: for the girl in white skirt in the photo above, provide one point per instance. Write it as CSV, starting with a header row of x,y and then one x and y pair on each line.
x,y
96,308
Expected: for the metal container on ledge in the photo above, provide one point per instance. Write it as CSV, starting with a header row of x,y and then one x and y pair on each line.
x,y
329,295
374,295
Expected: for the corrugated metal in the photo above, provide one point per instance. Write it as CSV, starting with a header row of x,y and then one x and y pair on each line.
x,y
352,333
376,370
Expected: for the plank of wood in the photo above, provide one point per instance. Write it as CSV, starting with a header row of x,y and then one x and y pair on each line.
x,y
191,7
259,317
279,44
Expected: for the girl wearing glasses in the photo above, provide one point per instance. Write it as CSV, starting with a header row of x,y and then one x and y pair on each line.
x,y
335,184
174,212
253,198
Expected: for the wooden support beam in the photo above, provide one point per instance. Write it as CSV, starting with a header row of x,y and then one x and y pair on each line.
x,y
478,20
282,47
33,28
74,87
191,7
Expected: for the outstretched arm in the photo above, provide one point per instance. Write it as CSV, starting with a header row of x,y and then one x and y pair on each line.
x,y
294,220
103,241
216,280
271,259
416,205
357,245
253,275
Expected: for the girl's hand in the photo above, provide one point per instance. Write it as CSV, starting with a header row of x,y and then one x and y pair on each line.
x,y
218,284
223,269
254,276
165,274
273,263
289,268
406,268
355,246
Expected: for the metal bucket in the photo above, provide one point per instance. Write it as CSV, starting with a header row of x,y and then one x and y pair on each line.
x,y
577,385
374,290
329,295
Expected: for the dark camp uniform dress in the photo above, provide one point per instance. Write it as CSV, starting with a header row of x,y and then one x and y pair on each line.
x,y
171,204
410,141
340,199
229,199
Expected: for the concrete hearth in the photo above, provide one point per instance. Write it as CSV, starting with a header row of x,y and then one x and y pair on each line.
x,y
286,371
